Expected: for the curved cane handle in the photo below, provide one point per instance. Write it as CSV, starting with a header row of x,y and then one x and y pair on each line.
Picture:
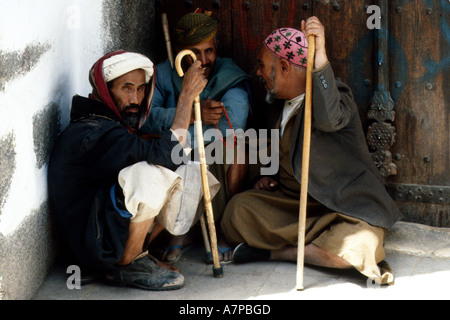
x,y
180,57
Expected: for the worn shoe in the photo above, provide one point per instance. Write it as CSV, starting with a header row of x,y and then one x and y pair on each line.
x,y
144,273
243,253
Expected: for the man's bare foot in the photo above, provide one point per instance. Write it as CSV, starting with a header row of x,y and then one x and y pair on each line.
x,y
167,266
176,247
225,251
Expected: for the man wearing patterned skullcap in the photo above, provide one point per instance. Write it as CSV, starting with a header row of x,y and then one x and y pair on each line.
x,y
288,44
107,184
225,105
348,206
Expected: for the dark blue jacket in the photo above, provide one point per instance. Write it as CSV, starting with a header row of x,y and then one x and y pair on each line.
x,y
84,166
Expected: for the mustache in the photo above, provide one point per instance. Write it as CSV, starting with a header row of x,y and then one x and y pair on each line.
x,y
208,65
131,106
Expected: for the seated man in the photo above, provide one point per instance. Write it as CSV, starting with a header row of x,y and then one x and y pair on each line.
x,y
106,184
348,206
224,106
225,92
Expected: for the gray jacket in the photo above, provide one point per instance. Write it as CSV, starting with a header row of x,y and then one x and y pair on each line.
x,y
342,175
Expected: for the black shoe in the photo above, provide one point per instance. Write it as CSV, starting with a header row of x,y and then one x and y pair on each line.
x,y
88,277
243,253
144,273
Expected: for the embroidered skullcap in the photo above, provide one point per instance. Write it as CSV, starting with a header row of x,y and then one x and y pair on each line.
x,y
119,64
289,44
195,28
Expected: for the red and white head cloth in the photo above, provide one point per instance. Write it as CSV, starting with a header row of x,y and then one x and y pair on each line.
x,y
289,44
113,65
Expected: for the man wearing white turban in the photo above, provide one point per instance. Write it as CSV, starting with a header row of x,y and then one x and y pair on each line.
x,y
101,220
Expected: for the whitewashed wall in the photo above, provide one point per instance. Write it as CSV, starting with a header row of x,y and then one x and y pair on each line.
x,y
66,39
46,50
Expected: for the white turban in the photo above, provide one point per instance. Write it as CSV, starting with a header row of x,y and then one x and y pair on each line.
x,y
120,64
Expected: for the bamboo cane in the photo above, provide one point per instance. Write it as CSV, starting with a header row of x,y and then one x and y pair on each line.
x,y
208,254
165,26
305,164
217,268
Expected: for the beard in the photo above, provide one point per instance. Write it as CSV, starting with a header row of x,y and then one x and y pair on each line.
x,y
270,96
209,67
270,93
131,119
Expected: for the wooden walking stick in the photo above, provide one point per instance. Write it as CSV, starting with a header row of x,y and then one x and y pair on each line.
x,y
217,268
305,164
208,253
165,26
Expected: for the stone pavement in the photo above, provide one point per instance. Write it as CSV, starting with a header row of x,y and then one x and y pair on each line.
x,y
418,255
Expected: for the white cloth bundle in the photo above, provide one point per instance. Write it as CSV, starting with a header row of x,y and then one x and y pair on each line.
x,y
173,197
